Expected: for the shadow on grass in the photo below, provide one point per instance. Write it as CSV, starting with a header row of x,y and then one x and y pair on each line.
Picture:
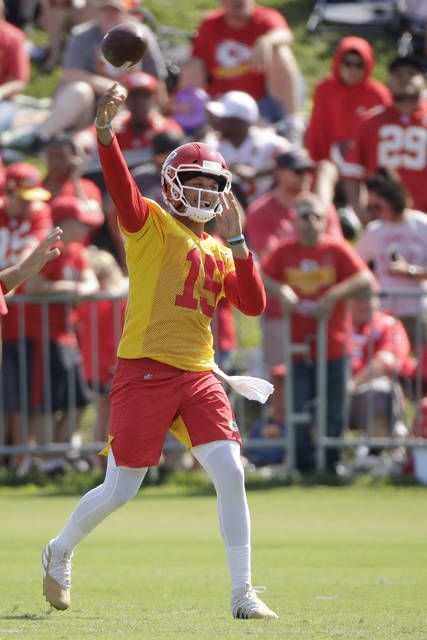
x,y
25,616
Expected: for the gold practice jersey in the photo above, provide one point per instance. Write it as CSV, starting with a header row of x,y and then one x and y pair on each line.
x,y
176,281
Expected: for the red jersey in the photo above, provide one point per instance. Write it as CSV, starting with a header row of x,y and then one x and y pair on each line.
x,y
156,123
14,56
382,333
68,266
18,235
87,187
338,107
226,51
310,272
109,316
392,139
268,222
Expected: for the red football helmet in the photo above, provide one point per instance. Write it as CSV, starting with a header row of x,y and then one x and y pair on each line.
x,y
188,161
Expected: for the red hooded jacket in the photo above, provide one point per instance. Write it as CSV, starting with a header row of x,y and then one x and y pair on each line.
x,y
337,107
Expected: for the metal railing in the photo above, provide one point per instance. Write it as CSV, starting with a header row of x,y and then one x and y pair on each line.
x,y
323,441
45,444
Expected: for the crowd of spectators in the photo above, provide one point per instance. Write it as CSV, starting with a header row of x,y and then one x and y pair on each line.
x,y
299,163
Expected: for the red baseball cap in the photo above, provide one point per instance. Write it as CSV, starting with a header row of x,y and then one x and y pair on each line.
x,y
69,207
25,180
139,80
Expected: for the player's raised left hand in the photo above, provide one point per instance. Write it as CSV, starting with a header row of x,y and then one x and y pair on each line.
x,y
229,223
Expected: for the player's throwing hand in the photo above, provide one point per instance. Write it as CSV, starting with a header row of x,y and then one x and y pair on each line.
x,y
109,105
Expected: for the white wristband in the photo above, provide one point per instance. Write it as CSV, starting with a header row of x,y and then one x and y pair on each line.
x,y
107,125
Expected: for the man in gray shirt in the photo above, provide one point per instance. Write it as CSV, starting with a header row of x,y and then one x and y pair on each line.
x,y
86,73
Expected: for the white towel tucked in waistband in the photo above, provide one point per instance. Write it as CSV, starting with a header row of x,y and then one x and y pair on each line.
x,y
248,386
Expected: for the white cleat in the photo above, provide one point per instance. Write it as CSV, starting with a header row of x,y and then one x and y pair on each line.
x,y
245,604
56,575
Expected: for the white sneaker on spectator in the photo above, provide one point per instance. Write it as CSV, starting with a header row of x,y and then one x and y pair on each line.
x,y
245,604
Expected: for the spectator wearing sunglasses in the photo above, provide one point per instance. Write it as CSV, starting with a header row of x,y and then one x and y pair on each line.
x,y
339,100
393,137
269,220
311,275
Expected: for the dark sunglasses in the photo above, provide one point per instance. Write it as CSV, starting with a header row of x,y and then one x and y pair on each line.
x,y
403,98
352,64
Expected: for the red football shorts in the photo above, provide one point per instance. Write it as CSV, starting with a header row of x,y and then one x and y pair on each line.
x,y
149,398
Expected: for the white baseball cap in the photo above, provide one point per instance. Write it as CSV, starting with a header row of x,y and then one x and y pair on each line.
x,y
235,104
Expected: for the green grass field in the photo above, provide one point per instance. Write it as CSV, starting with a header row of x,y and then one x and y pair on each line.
x,y
347,563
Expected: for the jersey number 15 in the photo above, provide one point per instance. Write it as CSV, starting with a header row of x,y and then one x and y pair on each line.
x,y
211,267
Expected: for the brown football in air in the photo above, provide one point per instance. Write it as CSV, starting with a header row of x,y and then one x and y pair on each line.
x,y
124,45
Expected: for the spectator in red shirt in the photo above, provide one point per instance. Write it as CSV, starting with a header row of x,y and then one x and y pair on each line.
x,y
271,219
64,161
339,101
248,48
71,274
394,137
14,68
137,124
11,278
24,221
380,352
311,275
143,120
100,327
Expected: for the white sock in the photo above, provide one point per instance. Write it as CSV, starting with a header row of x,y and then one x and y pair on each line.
x,y
239,563
70,535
